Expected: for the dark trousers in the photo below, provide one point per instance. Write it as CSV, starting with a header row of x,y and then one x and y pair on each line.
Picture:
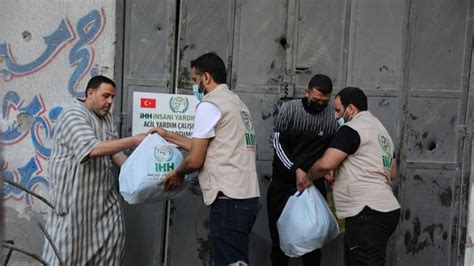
x,y
230,224
277,196
366,236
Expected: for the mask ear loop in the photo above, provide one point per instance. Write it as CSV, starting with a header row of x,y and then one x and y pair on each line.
x,y
203,87
350,116
345,111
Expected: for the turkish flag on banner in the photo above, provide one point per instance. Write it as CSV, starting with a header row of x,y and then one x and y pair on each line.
x,y
147,103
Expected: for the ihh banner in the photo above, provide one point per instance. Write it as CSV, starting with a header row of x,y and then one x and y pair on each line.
x,y
173,112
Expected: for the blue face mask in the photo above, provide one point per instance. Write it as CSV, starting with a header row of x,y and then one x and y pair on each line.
x,y
340,122
199,94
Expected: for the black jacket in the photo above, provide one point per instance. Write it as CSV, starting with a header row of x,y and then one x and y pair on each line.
x,y
300,139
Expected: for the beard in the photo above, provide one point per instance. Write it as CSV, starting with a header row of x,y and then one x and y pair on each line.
x,y
103,110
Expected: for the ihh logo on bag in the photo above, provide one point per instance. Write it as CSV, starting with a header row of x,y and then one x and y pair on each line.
x,y
163,154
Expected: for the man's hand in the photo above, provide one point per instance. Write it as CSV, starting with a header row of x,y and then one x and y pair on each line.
x,y
173,180
181,141
330,177
162,132
302,181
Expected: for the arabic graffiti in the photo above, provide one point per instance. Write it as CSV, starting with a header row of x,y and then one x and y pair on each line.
x,y
81,55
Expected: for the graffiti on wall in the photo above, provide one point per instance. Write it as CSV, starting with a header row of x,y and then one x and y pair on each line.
x,y
29,121
81,55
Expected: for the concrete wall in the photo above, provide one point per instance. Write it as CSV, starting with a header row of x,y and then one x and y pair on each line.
x,y
469,255
48,51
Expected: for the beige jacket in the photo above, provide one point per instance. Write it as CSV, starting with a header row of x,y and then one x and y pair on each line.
x,y
363,179
230,165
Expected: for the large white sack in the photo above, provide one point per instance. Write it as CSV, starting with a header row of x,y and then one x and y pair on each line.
x,y
306,223
142,175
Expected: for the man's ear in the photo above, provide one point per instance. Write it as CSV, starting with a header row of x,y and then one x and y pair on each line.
x,y
89,92
353,108
206,78
306,92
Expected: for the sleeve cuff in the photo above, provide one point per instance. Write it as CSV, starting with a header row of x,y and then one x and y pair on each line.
x,y
294,168
83,155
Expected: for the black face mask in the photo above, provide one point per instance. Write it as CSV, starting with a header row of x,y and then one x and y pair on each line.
x,y
313,107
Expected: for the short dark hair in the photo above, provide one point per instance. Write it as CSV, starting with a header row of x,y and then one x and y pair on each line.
x,y
212,64
321,82
354,96
94,82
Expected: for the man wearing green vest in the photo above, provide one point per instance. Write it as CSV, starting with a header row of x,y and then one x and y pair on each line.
x,y
362,152
223,150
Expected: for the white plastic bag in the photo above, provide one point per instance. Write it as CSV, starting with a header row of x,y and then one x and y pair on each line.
x,y
306,223
142,175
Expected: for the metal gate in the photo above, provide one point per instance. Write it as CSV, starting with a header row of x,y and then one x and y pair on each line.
x,y
434,179
412,58
147,64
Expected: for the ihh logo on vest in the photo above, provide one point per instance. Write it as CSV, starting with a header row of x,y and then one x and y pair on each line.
x,y
247,120
163,154
179,104
250,134
387,152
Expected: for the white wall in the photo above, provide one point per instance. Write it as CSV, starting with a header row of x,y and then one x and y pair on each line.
x,y
48,51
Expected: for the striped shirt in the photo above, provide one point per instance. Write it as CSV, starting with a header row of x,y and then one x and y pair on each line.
x,y
292,116
87,225
300,138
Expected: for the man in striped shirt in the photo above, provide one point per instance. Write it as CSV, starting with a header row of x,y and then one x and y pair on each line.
x,y
303,132
87,225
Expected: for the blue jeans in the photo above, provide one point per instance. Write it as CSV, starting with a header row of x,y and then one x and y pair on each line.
x,y
230,224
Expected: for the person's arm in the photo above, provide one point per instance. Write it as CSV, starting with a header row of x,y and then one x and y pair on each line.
x,y
302,182
282,146
111,147
182,141
207,117
393,169
193,162
345,141
282,143
77,133
195,158
331,159
119,159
